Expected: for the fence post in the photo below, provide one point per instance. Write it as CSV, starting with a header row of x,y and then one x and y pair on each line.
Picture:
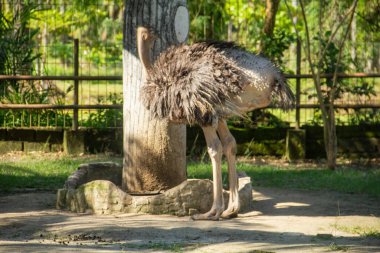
x,y
76,84
298,84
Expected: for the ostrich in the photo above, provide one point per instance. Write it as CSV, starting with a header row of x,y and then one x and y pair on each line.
x,y
204,84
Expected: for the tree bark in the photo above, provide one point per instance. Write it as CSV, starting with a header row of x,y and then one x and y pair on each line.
x,y
270,16
353,34
154,151
269,21
330,138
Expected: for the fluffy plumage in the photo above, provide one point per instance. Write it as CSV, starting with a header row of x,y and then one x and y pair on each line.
x,y
197,84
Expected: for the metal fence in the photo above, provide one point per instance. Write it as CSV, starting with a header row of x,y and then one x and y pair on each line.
x,y
79,74
350,110
79,44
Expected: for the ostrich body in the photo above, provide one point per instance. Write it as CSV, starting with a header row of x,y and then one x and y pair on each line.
x,y
204,84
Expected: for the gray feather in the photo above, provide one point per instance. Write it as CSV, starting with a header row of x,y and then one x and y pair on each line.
x,y
195,84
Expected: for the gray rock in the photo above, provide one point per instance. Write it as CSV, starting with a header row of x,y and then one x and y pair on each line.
x,y
95,171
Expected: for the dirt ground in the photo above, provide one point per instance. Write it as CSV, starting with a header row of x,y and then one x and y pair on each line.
x,y
281,221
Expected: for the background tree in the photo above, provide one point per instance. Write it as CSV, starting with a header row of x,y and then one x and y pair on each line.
x,y
270,20
324,51
154,151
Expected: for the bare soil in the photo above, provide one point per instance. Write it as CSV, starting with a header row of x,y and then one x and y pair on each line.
x,y
281,221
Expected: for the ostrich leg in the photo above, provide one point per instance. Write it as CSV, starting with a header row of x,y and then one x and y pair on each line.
x,y
229,150
214,148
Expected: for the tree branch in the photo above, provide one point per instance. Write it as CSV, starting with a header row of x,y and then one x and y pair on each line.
x,y
333,34
335,77
316,76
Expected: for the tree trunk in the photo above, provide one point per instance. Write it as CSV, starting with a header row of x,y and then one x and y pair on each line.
x,y
330,138
269,21
154,151
270,16
353,36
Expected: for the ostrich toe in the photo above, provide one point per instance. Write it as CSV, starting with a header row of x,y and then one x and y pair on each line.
x,y
214,214
230,213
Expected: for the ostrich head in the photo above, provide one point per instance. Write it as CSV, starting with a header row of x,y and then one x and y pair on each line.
x,y
145,41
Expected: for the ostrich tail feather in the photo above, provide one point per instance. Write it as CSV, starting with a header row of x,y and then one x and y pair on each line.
x,y
282,95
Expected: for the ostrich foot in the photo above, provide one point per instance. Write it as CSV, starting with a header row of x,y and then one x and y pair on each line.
x,y
230,213
233,205
214,214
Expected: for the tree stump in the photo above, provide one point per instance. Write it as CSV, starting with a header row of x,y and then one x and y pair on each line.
x,y
154,151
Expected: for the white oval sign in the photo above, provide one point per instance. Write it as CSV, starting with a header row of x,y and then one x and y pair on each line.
x,y
181,24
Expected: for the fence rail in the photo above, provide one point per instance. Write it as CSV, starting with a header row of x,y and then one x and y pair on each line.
x,y
61,78
58,107
330,75
120,78
76,79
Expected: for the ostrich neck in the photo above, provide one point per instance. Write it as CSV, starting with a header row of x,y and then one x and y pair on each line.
x,y
144,54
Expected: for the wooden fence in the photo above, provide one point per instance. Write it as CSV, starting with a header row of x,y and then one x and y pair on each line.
x,y
75,107
76,79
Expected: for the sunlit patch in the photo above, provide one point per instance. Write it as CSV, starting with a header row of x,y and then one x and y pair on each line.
x,y
258,196
289,204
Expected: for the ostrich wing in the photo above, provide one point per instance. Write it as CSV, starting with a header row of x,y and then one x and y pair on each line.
x,y
196,84
192,84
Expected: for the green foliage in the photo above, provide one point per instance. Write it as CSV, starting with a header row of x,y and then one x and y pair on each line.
x,y
247,20
241,21
106,117
97,24
364,90
365,117
34,118
17,43
276,46
17,57
342,88
63,51
369,18
208,20
99,118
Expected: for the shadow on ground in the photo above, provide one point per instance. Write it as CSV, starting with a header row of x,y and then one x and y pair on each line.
x,y
282,221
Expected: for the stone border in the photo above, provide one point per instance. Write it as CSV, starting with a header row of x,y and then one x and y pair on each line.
x,y
93,188
95,171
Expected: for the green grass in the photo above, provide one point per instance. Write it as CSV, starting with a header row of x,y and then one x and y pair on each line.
x,y
348,180
50,171
335,247
41,172
372,232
